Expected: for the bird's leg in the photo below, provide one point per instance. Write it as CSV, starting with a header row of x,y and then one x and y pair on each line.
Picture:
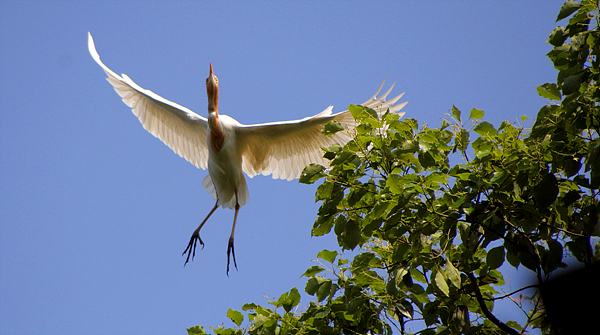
x,y
191,248
230,248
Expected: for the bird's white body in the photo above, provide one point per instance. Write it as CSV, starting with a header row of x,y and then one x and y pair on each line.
x,y
225,176
228,148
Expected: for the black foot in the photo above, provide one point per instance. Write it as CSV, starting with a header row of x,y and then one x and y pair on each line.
x,y
191,248
230,250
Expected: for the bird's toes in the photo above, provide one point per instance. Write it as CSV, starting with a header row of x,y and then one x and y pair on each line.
x,y
231,252
191,247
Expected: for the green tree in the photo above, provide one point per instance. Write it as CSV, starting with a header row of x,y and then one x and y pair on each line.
x,y
433,234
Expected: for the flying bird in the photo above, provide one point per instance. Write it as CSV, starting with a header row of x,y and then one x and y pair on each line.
x,y
228,148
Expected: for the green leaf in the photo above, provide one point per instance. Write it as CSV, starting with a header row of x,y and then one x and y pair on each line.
x,y
557,37
292,300
517,326
463,140
324,191
327,255
567,9
456,113
351,235
235,316
452,274
332,151
485,129
313,284
476,114
549,91
196,330
342,157
362,262
324,290
312,173
418,275
396,182
363,114
322,225
313,270
332,127
259,320
495,257
440,282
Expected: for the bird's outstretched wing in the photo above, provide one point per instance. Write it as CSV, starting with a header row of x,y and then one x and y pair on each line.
x,y
283,149
178,127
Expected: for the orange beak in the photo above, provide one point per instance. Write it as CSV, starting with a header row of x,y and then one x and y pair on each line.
x,y
212,90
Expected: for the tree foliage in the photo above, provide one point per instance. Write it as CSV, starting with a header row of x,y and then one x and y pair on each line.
x,y
436,212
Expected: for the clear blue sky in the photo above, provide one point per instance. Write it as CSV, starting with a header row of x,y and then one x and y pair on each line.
x,y
95,211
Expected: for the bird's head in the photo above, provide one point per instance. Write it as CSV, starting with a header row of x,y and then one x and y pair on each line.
x,y
212,90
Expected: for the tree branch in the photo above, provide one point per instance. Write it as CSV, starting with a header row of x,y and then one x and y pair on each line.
x,y
486,311
511,293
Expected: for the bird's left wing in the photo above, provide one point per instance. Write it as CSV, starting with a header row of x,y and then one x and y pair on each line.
x,y
178,127
283,149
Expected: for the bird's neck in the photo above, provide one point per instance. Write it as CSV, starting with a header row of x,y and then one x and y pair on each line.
x,y
213,98
217,136
213,120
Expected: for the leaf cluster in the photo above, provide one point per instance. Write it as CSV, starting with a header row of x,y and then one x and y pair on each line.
x,y
436,214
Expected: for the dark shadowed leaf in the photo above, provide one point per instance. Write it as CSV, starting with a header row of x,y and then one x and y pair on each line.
x,y
292,300
495,257
313,284
572,83
567,9
322,225
324,290
351,235
426,159
546,191
593,163
557,37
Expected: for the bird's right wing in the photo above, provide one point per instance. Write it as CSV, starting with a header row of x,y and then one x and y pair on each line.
x,y
178,127
283,149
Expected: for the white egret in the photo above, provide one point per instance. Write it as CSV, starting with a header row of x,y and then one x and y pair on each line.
x,y
228,148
